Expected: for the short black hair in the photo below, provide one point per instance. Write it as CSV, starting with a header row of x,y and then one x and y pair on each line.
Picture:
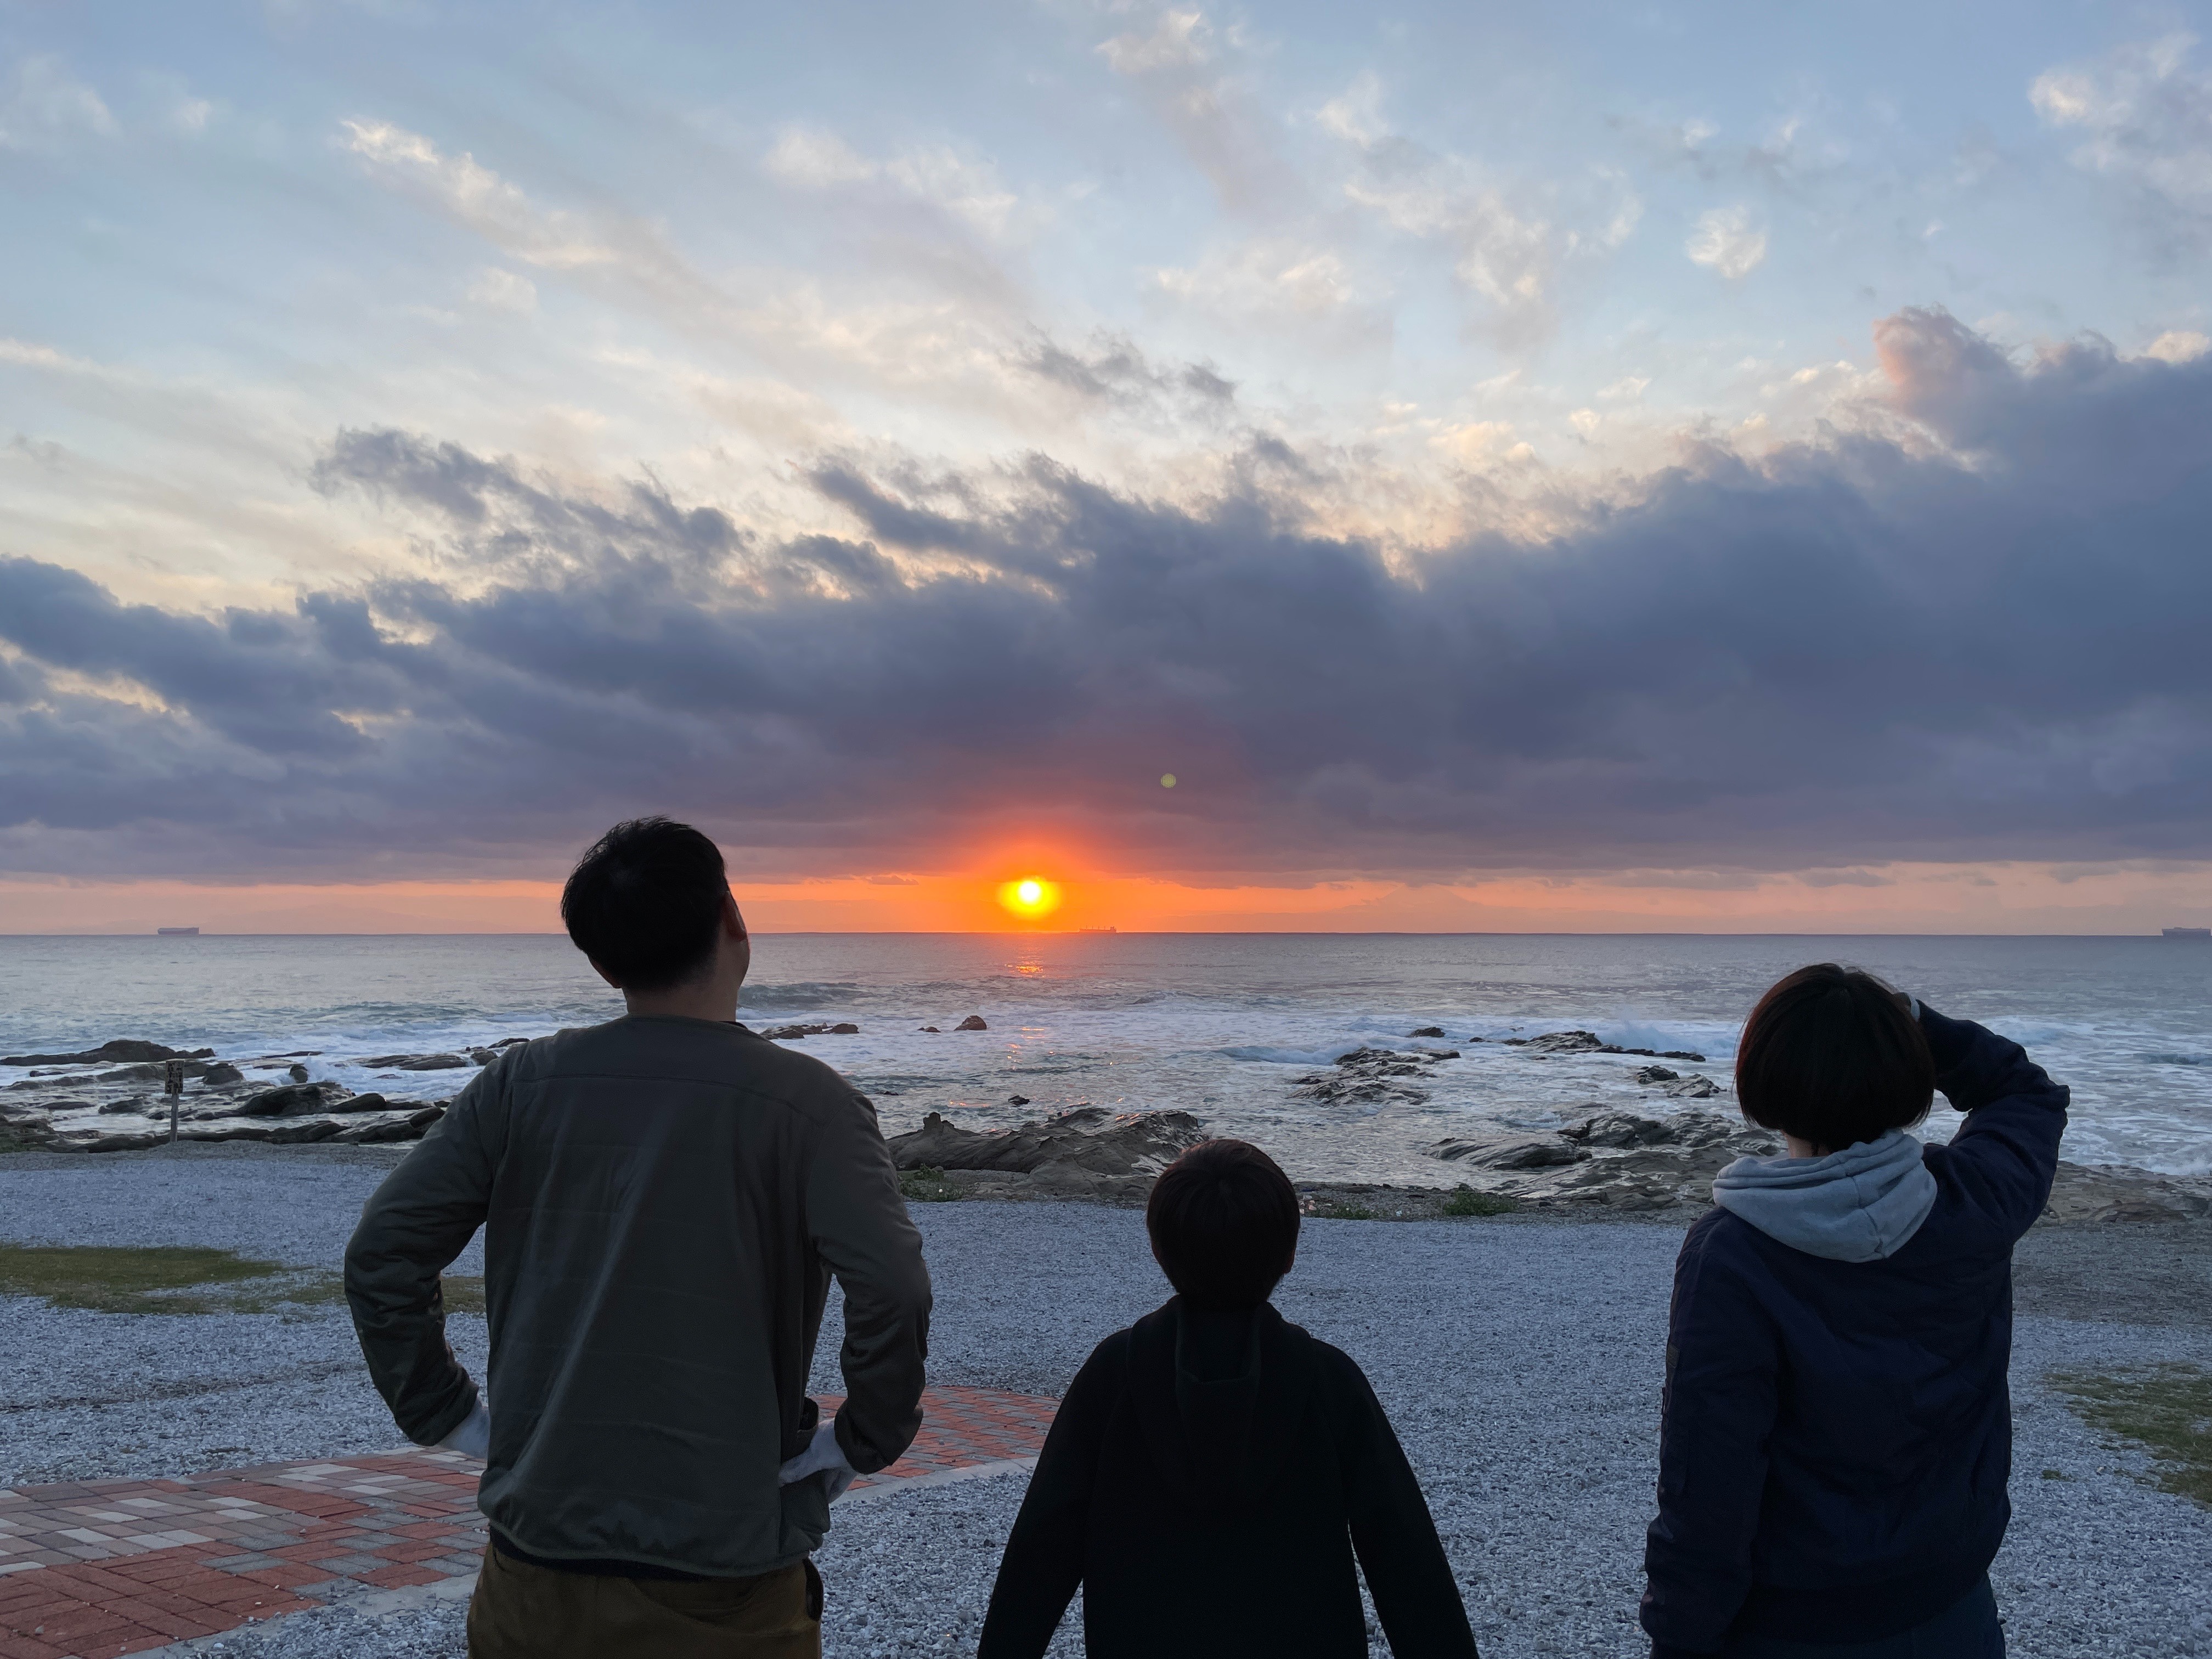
x,y
1224,1219
1830,1056
644,901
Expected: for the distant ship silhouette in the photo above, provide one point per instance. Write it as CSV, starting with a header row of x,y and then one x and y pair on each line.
x,y
177,932
2189,932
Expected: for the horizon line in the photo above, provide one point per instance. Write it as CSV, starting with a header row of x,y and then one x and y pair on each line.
x,y
1129,932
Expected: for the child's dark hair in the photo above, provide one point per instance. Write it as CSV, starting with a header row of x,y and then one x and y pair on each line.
x,y
1830,1056
644,901
1224,1224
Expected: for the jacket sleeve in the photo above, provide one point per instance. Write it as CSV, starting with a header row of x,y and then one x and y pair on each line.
x,y
2005,1154
1396,1538
412,1227
1044,1563
1723,1362
858,1224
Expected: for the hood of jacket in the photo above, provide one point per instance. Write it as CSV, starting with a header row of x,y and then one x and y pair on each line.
x,y
1861,1204
1212,1390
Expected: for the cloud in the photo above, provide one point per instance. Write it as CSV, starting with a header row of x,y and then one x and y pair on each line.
x,y
2148,118
43,107
1267,278
1177,66
964,187
503,290
815,159
1725,242
935,325
1177,40
476,197
1112,368
1966,629
1506,250
2179,345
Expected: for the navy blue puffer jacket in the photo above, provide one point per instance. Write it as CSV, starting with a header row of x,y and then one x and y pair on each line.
x,y
1837,1436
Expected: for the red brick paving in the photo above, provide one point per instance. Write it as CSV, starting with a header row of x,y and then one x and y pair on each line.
x,y
91,1569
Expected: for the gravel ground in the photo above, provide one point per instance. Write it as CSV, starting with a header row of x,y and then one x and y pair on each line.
x,y
1519,1359
89,1397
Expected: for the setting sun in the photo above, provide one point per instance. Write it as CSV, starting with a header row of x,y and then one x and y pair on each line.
x,y
1030,896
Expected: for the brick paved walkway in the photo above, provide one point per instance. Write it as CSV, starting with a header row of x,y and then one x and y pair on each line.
x,y
103,1567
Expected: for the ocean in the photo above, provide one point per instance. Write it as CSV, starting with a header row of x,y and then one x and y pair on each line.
x,y
1220,1025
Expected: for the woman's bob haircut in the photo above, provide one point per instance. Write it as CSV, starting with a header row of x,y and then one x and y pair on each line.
x,y
1833,1057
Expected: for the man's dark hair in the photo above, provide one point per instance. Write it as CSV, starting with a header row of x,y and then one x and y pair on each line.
x,y
1830,1056
1224,1222
644,901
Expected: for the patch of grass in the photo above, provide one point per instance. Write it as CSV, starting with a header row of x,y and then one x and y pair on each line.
x,y
181,1279
927,1185
2167,1410
121,1278
1465,1200
1350,1210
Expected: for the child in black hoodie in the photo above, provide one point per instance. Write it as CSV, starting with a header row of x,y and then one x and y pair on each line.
x,y
1214,1470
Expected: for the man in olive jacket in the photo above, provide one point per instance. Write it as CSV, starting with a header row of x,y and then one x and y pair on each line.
x,y
665,1198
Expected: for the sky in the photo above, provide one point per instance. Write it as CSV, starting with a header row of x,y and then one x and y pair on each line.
x,y
1635,467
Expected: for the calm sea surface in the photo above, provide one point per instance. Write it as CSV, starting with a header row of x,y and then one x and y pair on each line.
x,y
1220,1025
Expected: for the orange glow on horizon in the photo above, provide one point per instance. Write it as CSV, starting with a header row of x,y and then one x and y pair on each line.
x,y
1997,898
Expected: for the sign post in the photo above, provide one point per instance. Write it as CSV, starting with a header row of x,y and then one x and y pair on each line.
x,y
172,1084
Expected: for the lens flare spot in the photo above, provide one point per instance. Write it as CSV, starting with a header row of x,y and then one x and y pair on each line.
x,y
1167,780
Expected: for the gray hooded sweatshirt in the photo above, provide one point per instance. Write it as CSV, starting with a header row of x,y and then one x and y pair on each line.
x,y
1859,1204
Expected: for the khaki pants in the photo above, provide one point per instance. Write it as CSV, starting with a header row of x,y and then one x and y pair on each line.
x,y
522,1612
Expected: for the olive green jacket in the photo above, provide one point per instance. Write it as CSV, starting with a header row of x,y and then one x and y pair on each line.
x,y
664,1201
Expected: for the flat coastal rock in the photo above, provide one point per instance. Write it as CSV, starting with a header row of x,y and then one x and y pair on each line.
x,y
1622,1160
109,1054
1087,1152
352,1130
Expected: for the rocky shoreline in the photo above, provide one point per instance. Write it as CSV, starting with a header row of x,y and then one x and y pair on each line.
x,y
1608,1162
126,1097
1612,1163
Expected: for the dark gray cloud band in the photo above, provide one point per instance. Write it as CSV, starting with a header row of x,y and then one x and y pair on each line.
x,y
1867,647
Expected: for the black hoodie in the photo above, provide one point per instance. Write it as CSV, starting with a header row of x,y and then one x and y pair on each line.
x,y
1207,1482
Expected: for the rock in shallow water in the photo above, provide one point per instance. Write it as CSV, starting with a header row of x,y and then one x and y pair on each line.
x,y
293,1098
1376,1077
1562,1043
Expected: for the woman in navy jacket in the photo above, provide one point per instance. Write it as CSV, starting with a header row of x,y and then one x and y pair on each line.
x,y
1837,1436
